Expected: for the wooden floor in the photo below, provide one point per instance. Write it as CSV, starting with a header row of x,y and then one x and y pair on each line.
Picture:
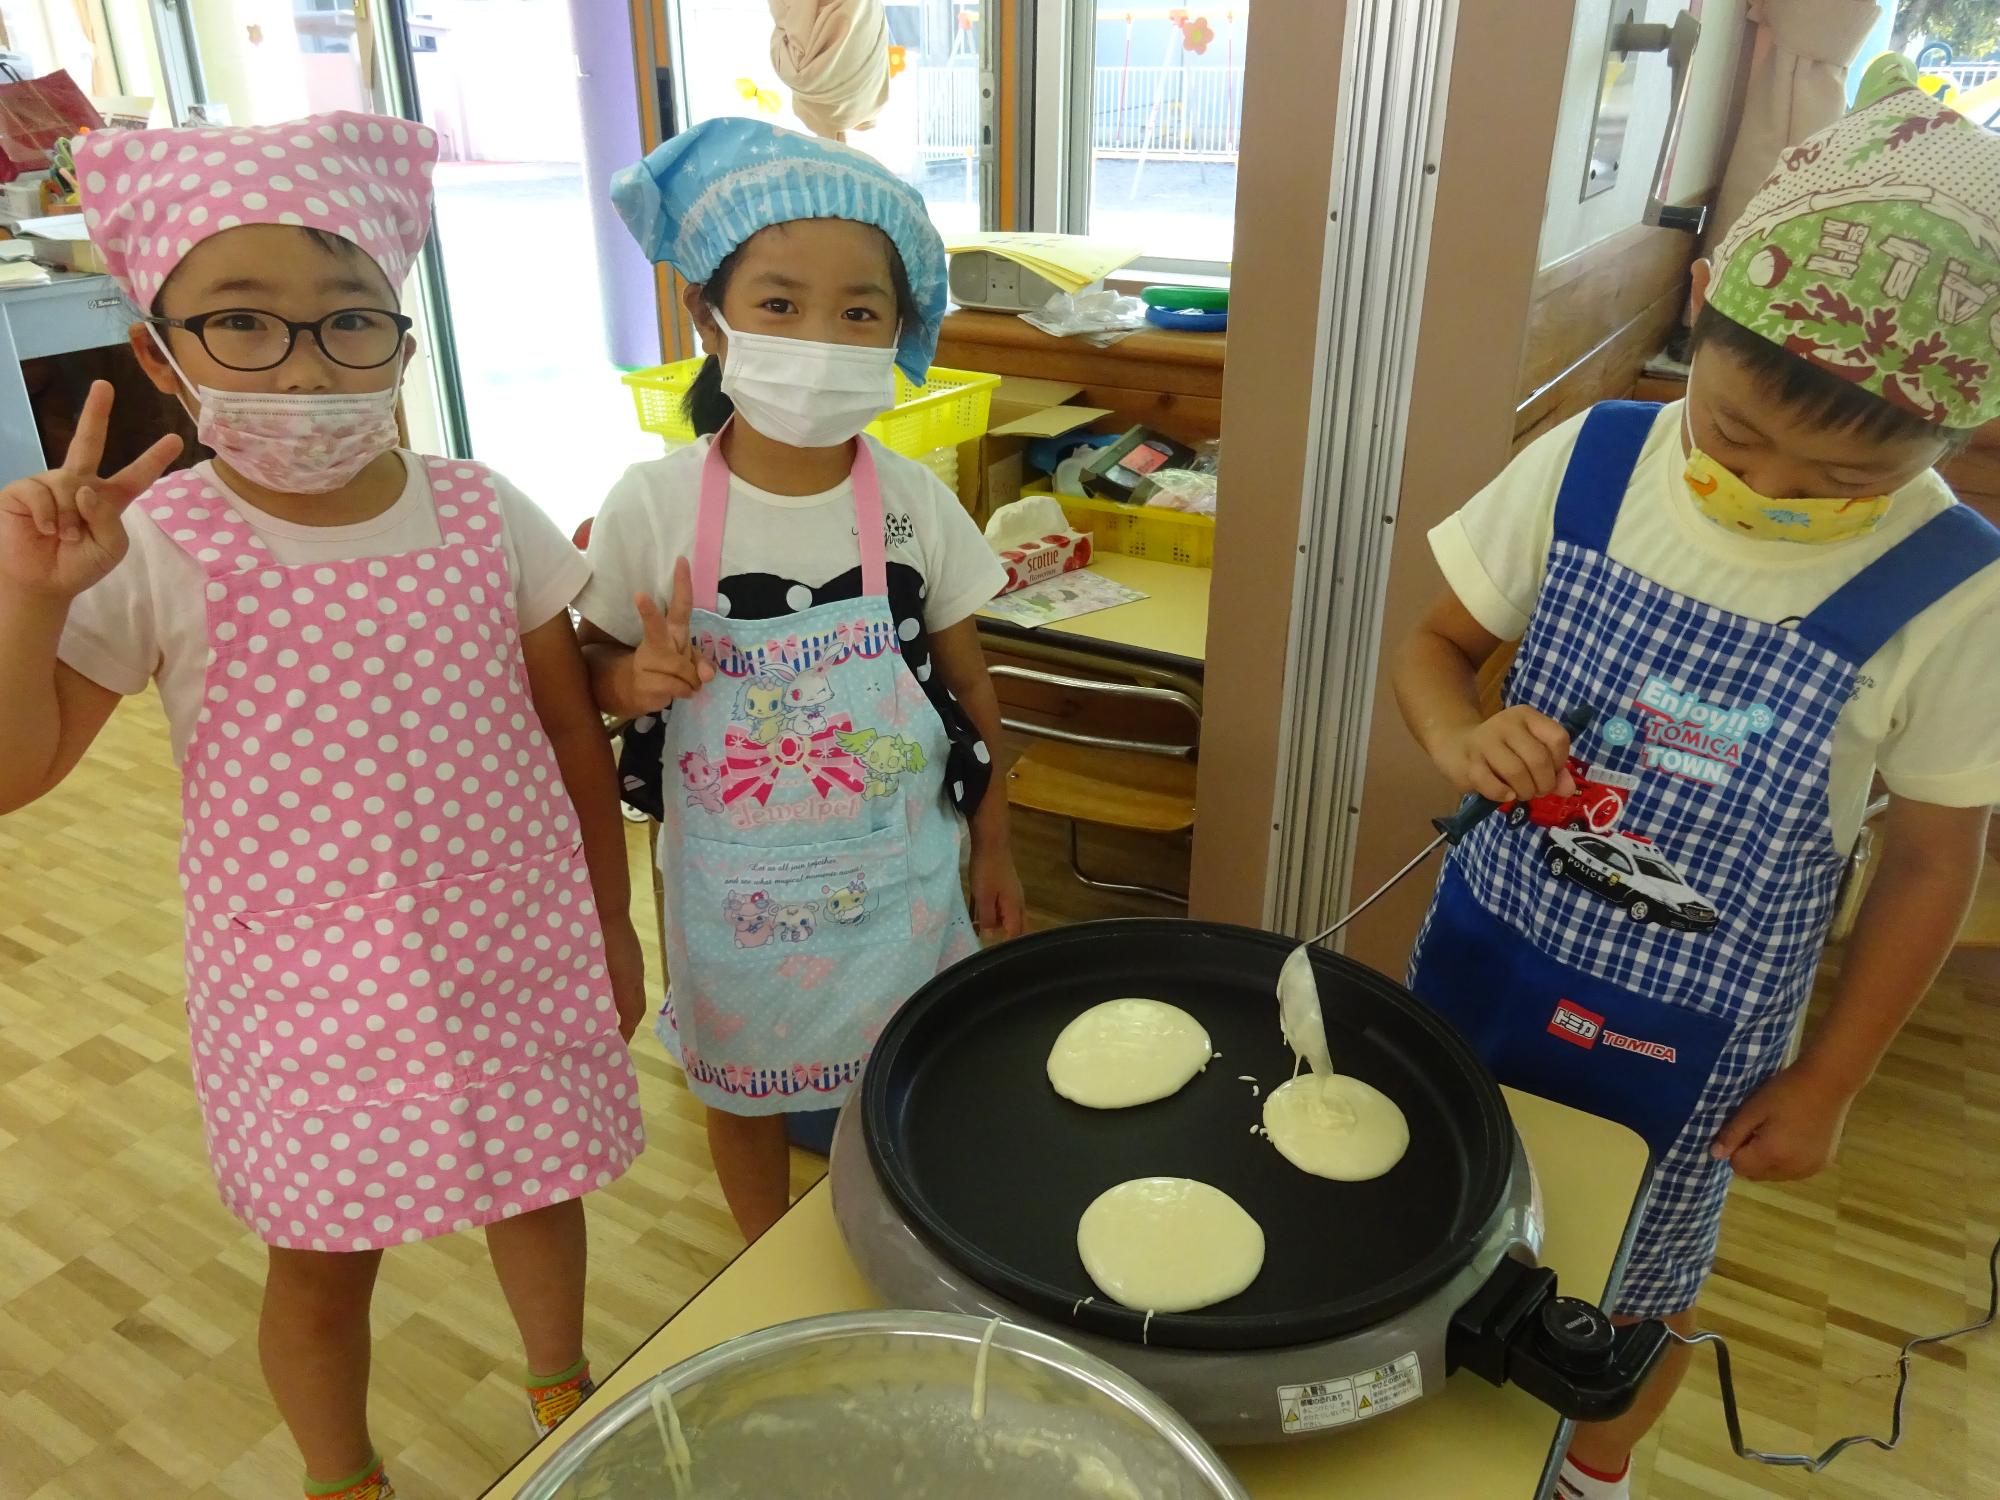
x,y
128,1296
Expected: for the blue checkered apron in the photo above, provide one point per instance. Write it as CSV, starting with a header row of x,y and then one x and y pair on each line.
x,y
1650,964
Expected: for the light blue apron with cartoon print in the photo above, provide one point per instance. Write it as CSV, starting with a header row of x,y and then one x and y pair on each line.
x,y
810,855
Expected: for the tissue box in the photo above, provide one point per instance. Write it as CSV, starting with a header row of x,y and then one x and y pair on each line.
x,y
1032,562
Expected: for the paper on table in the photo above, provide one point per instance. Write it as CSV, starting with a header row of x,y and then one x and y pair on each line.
x,y
23,273
1063,598
1071,261
54,227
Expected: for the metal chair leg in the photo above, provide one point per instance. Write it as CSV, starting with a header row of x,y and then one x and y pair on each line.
x,y
1176,898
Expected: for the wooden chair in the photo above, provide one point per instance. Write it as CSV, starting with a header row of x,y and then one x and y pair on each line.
x,y
1143,786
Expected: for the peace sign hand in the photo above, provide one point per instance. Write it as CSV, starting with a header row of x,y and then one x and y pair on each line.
x,y
62,531
665,664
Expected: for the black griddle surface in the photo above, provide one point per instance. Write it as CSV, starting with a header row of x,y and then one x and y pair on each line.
x,y
993,1168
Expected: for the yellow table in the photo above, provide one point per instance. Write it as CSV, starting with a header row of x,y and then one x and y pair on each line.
x,y
1475,1442
1169,626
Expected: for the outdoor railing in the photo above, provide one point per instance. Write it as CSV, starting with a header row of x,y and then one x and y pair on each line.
x,y
1170,113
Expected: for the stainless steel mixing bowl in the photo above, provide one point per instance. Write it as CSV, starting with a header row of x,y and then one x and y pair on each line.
x,y
879,1406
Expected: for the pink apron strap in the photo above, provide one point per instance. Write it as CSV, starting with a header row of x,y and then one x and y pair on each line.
x,y
199,518
467,502
868,521
708,521
706,564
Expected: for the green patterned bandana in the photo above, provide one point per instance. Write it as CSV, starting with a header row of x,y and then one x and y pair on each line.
x,y
1873,252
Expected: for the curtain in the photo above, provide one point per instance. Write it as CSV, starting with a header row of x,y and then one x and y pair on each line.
x,y
103,72
834,57
1797,84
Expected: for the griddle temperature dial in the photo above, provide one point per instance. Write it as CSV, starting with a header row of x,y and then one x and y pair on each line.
x,y
1576,1334
1562,1351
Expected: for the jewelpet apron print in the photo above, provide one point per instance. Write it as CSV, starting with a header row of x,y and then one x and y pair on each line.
x,y
812,873
1644,951
400,1015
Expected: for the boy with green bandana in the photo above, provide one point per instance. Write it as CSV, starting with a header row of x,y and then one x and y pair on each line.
x,y
1766,596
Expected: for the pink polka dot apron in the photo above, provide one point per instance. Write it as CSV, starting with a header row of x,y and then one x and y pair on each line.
x,y
400,1013
810,856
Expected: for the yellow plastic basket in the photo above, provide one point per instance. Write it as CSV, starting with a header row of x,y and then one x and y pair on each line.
x,y
1170,536
950,408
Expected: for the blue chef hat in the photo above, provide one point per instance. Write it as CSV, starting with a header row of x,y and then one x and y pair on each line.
x,y
693,200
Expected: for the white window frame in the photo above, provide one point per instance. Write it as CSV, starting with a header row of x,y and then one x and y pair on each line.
x,y
1056,120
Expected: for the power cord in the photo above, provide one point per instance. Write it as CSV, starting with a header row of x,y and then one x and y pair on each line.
x,y
1805,1460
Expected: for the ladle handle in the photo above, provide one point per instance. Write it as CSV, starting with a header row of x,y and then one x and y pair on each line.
x,y
1473,810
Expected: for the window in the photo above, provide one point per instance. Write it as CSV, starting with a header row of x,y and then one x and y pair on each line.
x,y
930,131
43,36
1137,115
1129,121
324,26
1165,108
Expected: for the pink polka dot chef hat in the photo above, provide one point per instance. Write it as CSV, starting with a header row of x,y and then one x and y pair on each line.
x,y
150,196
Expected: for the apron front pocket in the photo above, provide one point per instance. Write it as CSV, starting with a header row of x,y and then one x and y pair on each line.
x,y
423,991
1551,1029
741,904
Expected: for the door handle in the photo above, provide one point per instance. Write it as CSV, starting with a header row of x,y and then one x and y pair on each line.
x,y
1678,41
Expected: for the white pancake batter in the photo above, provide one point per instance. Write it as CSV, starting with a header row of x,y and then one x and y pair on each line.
x,y
1336,1127
1169,1244
1127,1052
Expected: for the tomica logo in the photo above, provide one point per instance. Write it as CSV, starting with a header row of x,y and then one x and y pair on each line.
x,y
1658,1051
1585,1028
1572,1023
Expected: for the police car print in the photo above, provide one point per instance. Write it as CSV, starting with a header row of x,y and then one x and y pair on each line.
x,y
1629,872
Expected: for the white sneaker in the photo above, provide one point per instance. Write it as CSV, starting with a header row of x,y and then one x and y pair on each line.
x,y
1577,1483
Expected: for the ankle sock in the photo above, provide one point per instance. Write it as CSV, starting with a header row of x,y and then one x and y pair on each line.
x,y
1577,1482
551,1398
370,1484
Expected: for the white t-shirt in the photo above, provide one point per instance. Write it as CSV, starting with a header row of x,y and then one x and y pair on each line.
x,y
647,524
147,620
1926,710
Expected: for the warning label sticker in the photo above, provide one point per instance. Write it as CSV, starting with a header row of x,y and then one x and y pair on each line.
x,y
1353,1398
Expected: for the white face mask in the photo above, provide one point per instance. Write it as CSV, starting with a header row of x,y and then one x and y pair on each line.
x,y
806,394
294,443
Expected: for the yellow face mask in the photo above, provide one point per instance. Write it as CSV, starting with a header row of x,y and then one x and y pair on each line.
x,y
1734,506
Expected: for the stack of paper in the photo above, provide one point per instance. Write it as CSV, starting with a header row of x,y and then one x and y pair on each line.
x,y
124,111
1071,261
22,273
62,241
1063,597
70,227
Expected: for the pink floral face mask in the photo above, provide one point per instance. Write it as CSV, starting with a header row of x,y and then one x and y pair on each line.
x,y
293,443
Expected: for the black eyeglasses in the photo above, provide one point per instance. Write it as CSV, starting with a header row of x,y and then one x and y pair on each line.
x,y
248,338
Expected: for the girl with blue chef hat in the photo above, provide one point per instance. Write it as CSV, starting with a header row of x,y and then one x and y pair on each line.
x,y
792,604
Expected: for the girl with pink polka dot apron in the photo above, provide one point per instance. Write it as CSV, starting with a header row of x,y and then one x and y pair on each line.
x,y
815,885
406,1008
400,1015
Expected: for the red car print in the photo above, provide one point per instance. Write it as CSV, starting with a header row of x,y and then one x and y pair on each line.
x,y
1597,805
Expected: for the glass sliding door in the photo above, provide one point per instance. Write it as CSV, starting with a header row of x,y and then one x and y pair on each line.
x,y
526,253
